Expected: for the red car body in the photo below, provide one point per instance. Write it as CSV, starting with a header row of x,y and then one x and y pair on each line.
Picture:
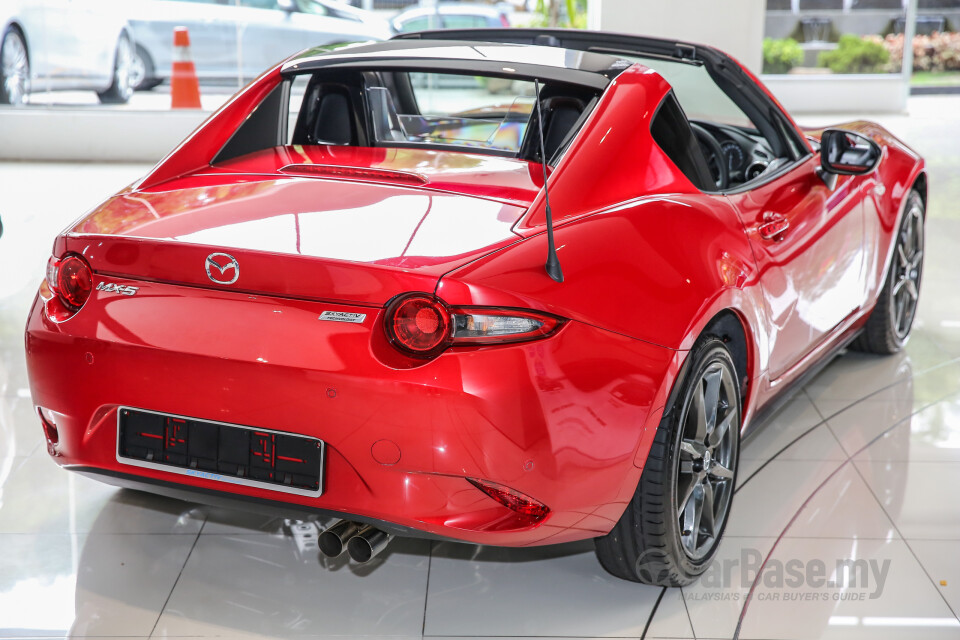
x,y
649,262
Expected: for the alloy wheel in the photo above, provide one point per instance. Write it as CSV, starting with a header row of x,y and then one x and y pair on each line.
x,y
125,68
706,466
138,70
907,270
16,68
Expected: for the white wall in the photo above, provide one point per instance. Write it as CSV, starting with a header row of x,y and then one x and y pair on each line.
x,y
93,134
854,94
734,26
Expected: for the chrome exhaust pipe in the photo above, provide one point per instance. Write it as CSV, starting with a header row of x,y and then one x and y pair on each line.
x,y
367,544
334,539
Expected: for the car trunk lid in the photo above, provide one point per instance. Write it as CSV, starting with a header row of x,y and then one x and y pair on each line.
x,y
320,238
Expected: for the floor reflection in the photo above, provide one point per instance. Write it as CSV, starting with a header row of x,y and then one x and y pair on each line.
x,y
860,464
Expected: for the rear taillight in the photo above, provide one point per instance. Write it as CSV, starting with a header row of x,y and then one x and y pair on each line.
x,y
71,279
423,326
512,499
482,325
419,325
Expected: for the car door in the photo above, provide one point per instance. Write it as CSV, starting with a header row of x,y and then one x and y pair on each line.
x,y
89,33
213,33
808,243
70,43
268,34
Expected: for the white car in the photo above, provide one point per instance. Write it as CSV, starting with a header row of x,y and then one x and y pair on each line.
x,y
451,16
241,37
53,45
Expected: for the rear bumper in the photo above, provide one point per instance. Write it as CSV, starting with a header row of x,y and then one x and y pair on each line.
x,y
565,420
238,502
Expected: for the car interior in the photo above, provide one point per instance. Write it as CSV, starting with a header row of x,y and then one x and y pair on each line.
x,y
393,108
739,149
711,139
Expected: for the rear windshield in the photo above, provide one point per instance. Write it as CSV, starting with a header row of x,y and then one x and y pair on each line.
x,y
415,109
448,109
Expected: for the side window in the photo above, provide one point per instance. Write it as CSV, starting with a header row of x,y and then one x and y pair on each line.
x,y
315,8
415,24
672,133
464,22
261,130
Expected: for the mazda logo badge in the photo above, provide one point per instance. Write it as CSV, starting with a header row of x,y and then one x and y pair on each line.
x,y
218,266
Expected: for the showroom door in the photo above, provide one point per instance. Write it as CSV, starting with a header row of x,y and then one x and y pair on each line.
x,y
808,243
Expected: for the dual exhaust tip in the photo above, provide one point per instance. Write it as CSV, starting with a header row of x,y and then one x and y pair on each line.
x,y
362,541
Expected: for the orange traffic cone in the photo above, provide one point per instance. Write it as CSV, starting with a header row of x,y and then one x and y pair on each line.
x,y
184,86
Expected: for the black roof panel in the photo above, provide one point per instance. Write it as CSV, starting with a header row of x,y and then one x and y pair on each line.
x,y
464,56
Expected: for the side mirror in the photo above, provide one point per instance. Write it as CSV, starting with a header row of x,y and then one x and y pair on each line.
x,y
1,228
846,153
287,5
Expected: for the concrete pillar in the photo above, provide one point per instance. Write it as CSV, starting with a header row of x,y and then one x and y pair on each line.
x,y
909,30
734,26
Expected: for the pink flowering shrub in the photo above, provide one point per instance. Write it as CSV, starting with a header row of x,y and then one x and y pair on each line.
x,y
938,52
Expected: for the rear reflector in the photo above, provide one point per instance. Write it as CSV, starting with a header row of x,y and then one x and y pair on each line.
x,y
513,500
49,423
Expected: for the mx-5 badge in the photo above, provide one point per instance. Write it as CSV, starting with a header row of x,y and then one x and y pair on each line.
x,y
113,287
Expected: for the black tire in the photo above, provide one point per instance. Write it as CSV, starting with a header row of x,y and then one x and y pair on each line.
x,y
649,544
14,67
120,89
888,327
144,74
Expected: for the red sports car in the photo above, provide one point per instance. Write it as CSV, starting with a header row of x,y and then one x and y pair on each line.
x,y
509,287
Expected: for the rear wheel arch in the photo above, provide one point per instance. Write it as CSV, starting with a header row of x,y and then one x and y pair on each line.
x,y
647,543
16,26
15,29
728,326
120,92
920,186
733,330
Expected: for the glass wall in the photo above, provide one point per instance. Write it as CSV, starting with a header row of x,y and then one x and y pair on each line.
x,y
861,37
120,53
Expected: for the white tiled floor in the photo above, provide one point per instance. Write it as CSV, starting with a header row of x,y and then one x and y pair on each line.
x,y
863,464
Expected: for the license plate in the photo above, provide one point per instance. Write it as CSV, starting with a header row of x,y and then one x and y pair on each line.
x,y
220,451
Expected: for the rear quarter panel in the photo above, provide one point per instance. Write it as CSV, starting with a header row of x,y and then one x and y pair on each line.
x,y
644,253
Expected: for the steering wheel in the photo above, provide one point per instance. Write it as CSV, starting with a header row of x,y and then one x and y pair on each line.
x,y
713,154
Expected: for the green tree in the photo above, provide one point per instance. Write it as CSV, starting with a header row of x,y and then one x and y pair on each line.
x,y
855,55
781,55
561,13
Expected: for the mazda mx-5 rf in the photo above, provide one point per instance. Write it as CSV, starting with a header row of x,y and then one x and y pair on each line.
x,y
508,287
